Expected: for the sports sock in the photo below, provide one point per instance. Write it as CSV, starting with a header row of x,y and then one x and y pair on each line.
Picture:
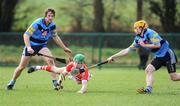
x,y
47,68
12,82
38,67
148,89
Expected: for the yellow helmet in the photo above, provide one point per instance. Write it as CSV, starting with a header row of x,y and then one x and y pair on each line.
x,y
141,24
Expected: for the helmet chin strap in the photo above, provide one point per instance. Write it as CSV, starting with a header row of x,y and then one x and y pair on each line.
x,y
141,30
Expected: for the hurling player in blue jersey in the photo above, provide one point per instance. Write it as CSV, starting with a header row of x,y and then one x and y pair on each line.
x,y
164,55
35,39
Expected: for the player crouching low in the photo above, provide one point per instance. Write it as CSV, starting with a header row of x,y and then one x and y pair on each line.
x,y
77,69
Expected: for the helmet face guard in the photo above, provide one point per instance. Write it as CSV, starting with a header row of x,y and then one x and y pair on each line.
x,y
80,58
140,24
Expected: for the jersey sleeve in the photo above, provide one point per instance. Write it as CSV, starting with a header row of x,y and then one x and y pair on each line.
x,y
69,67
134,45
31,29
155,38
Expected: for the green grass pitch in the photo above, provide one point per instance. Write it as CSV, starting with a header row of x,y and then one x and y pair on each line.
x,y
108,87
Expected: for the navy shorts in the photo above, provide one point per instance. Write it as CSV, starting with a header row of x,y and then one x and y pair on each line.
x,y
169,60
35,48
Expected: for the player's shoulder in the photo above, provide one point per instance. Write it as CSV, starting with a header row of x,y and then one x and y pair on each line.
x,y
69,66
151,32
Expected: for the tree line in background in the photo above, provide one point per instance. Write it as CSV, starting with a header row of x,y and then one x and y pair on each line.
x,y
7,11
104,17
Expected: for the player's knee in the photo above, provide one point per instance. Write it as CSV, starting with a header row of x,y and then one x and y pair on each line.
x,y
149,69
173,77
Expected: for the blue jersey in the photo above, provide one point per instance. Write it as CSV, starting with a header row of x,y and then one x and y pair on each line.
x,y
151,37
39,32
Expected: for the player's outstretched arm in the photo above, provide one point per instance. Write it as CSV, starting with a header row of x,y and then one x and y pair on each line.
x,y
84,87
119,54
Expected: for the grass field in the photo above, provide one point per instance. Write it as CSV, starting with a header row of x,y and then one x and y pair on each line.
x,y
108,87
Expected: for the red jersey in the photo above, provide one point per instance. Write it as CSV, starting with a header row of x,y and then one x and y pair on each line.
x,y
76,73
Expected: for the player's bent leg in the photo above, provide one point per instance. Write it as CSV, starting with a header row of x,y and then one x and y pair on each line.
x,y
149,75
58,70
175,76
149,80
54,71
46,51
172,71
60,80
44,68
47,68
32,69
24,61
50,62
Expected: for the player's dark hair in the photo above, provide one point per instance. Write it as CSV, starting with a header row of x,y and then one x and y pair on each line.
x,y
49,10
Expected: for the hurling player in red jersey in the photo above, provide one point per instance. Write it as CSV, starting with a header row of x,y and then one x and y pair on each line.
x,y
77,70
